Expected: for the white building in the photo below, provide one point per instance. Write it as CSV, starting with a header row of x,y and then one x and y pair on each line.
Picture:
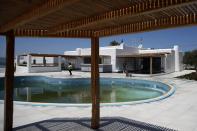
x,y
138,59
112,58
33,63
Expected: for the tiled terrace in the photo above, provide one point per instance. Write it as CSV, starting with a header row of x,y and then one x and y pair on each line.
x,y
176,112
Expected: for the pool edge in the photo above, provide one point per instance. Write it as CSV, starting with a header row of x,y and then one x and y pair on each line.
x,y
166,95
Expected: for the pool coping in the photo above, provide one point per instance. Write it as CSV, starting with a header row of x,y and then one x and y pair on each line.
x,y
159,98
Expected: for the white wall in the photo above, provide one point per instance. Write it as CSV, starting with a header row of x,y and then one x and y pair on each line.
x,y
21,69
44,69
155,51
112,54
170,63
177,59
127,50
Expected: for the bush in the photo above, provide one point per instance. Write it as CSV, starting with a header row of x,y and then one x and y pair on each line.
x,y
190,59
192,76
114,43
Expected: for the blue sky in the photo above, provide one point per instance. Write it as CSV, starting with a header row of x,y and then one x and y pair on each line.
x,y
185,37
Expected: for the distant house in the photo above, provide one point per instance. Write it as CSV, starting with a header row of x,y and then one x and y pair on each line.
x,y
137,59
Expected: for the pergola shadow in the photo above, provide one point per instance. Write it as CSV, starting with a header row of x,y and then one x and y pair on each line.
x,y
84,124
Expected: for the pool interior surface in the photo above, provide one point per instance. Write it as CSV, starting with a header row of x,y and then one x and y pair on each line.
x,y
77,90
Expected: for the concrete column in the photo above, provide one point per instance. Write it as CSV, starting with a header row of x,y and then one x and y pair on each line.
x,y
151,65
113,61
28,94
18,60
59,62
29,63
165,66
176,55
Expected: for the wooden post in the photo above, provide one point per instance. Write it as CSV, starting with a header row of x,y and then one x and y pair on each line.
x,y
95,92
151,65
9,82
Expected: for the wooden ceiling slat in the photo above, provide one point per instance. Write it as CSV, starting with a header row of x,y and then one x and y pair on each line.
x,y
43,33
150,7
80,10
110,17
40,11
173,21
10,9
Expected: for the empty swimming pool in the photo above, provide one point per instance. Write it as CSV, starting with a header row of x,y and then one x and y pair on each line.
x,y
43,89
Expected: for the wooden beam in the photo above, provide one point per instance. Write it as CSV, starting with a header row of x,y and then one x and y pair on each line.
x,y
95,91
163,23
46,8
134,10
9,81
43,33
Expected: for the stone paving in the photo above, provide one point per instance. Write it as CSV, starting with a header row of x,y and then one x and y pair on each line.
x,y
178,111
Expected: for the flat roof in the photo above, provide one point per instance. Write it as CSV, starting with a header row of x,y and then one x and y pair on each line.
x,y
56,55
49,55
144,55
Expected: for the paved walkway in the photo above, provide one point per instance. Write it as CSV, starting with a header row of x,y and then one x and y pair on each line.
x,y
177,112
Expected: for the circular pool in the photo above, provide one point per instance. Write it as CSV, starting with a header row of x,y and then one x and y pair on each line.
x,y
41,89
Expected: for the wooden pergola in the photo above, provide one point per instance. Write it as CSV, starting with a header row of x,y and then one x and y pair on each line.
x,y
84,19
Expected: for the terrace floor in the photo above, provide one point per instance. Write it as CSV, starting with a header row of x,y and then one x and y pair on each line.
x,y
178,111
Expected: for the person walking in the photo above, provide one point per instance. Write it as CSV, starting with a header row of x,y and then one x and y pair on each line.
x,y
70,68
124,66
125,69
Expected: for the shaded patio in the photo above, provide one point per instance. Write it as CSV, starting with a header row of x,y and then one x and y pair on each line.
x,y
84,19
84,124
